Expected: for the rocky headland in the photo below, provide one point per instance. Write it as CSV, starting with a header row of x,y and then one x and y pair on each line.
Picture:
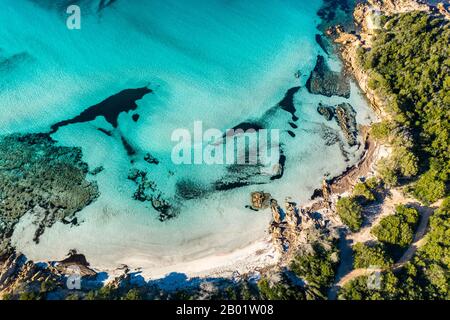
x,y
294,231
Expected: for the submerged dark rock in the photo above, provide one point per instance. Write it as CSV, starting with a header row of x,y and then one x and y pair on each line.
x,y
346,118
326,111
150,159
43,179
109,108
9,63
146,191
324,81
166,211
287,104
107,132
104,4
89,6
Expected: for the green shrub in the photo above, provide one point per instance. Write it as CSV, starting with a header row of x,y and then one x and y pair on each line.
x,y
350,212
429,188
381,130
132,294
317,268
387,172
397,229
359,289
72,296
366,256
365,191
29,295
408,64
279,291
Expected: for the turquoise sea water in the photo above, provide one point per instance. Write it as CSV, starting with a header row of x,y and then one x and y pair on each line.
x,y
222,62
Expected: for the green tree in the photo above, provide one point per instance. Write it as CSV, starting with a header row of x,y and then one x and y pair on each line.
x,y
350,212
132,294
366,256
429,188
397,229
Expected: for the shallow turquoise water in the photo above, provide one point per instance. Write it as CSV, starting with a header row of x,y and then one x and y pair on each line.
x,y
219,62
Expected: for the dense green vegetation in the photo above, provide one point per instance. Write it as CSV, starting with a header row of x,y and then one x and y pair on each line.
x,y
359,288
350,212
366,256
427,276
350,209
279,291
318,267
366,192
409,64
398,229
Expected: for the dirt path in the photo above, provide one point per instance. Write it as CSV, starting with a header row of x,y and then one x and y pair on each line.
x,y
419,240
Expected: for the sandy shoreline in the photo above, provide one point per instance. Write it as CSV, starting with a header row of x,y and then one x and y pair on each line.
x,y
260,254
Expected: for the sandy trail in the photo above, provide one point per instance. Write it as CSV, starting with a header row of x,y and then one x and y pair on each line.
x,y
364,235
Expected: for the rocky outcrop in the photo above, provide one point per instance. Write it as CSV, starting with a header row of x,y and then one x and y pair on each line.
x,y
390,7
75,263
326,193
324,81
260,200
346,118
443,10
277,213
367,18
287,225
18,275
326,111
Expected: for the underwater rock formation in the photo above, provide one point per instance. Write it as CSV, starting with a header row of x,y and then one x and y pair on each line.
x,y
42,179
324,81
146,191
324,43
326,111
346,118
109,108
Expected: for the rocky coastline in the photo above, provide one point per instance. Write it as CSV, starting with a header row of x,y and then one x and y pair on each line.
x,y
293,229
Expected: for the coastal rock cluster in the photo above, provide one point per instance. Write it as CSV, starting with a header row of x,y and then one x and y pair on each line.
x,y
324,81
19,275
366,18
345,116
39,178
287,224
390,7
